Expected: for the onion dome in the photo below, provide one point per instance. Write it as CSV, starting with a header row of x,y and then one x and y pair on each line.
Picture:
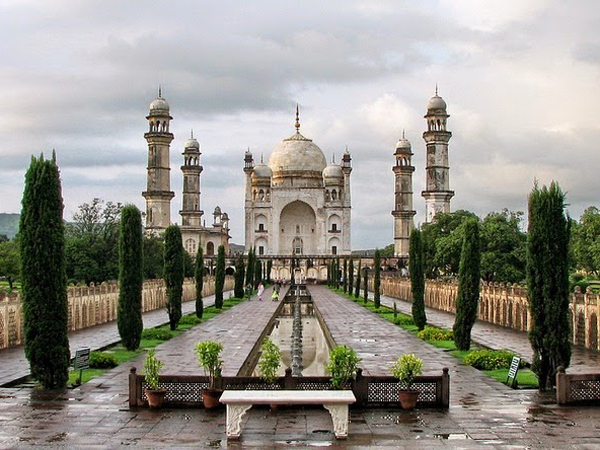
x,y
192,143
217,211
261,172
403,144
436,104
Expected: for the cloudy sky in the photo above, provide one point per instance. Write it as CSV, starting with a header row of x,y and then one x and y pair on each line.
x,y
521,79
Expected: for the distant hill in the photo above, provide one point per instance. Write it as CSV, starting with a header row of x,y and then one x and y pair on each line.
x,y
9,224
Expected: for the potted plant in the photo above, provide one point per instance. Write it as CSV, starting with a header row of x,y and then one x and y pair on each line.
x,y
152,367
406,369
269,362
208,357
342,366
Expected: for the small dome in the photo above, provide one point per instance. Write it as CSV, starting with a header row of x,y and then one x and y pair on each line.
x,y
217,211
403,144
436,103
159,104
262,171
224,217
333,175
192,143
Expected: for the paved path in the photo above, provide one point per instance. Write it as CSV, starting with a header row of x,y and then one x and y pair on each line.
x,y
14,364
483,413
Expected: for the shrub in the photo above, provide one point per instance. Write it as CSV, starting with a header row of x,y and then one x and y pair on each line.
x,y
103,360
190,320
269,362
436,334
152,367
406,369
489,359
401,319
342,366
160,334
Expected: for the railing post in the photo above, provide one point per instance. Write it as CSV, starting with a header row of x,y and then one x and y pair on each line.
x,y
134,395
562,387
288,381
445,400
360,388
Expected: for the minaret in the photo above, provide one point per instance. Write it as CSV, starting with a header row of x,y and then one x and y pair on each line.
x,y
347,203
248,205
437,192
191,214
158,194
403,209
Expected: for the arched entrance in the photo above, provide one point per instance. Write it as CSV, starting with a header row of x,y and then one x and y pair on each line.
x,y
297,229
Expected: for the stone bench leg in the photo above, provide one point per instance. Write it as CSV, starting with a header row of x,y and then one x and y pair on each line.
x,y
235,414
339,416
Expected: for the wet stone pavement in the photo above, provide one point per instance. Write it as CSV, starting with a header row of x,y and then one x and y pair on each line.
x,y
483,413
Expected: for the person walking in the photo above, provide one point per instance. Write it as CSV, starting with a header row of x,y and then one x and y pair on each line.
x,y
261,289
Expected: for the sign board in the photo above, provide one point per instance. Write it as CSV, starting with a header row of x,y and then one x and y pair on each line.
x,y
82,359
512,372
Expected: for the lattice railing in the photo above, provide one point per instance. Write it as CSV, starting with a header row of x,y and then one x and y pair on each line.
x,y
434,391
577,388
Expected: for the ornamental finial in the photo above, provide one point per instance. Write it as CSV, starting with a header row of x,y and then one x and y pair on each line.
x,y
436,89
297,125
159,91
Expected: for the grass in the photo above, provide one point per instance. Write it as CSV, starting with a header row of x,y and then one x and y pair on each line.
x,y
525,377
124,355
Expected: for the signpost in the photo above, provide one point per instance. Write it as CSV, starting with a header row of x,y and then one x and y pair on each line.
x,y
82,360
512,372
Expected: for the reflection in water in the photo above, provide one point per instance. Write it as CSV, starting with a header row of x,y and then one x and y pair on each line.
x,y
315,351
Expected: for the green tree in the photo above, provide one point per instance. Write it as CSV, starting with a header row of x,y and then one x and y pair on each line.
x,y
357,291
269,268
377,279
250,268
188,265
337,273
43,274
173,273
238,290
92,242
350,276
131,278
366,285
548,282
387,251
154,251
442,243
469,275
257,272
10,261
199,279
586,241
503,247
220,277
417,278
345,283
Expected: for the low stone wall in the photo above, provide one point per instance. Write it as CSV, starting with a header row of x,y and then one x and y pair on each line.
x,y
505,305
95,304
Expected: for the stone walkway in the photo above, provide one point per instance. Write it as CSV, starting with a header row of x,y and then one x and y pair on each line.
x,y
483,413
14,365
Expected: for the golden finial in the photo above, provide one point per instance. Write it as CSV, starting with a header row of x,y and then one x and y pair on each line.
x,y
159,91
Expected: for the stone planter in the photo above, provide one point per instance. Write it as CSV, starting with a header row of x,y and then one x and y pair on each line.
x,y
408,399
155,397
211,398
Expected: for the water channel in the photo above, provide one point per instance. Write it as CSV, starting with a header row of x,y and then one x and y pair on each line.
x,y
297,331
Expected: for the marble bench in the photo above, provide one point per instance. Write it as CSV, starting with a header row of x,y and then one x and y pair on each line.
x,y
239,402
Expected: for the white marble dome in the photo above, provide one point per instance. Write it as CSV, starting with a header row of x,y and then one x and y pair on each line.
x,y
261,171
333,174
297,154
436,102
403,144
159,104
192,143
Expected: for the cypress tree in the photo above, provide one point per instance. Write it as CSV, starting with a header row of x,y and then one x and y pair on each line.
x,y
220,277
173,274
417,278
257,272
548,282
269,267
357,292
131,277
366,285
468,286
240,273
377,279
345,282
350,276
337,273
43,274
199,278
250,267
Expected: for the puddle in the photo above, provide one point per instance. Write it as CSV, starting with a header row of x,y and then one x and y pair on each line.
x,y
452,436
321,431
